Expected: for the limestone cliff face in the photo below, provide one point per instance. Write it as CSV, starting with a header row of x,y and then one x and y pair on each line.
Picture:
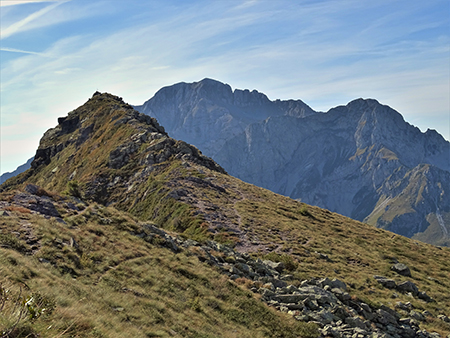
x,y
208,113
361,160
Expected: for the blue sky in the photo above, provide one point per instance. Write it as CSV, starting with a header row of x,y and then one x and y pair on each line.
x,y
56,54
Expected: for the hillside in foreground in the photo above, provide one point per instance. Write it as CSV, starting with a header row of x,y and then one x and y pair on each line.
x,y
119,230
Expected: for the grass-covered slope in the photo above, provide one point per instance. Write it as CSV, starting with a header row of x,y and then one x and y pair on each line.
x,y
91,257
96,275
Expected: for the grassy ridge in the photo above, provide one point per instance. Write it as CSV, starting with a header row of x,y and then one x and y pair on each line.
x,y
111,283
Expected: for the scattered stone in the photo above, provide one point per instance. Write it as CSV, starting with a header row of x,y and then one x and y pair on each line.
x,y
424,296
32,189
386,282
322,301
408,286
444,318
336,283
40,204
417,316
355,322
401,269
404,306
277,266
427,313
384,317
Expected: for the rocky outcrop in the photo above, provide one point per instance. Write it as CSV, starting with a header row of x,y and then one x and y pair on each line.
x,y
326,302
35,200
407,287
208,113
362,160
401,269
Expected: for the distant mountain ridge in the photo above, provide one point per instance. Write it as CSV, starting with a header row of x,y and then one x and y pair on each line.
x,y
361,160
19,169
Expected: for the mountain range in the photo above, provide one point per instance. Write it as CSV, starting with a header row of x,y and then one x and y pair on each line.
x,y
362,160
19,169
118,230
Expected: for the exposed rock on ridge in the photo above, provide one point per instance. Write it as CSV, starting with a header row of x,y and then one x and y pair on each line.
x,y
118,157
112,147
327,302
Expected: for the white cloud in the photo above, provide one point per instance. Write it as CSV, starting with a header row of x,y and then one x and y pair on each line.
x,y
15,50
4,3
22,24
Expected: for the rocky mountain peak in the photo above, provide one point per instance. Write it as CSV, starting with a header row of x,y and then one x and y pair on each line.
x,y
208,112
106,141
112,204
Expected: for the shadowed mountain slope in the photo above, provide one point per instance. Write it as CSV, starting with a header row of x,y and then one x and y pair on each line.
x,y
208,113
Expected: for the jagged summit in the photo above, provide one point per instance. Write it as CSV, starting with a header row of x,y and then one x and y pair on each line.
x,y
213,90
209,112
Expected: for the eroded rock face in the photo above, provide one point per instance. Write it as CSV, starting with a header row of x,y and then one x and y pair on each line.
x,y
208,113
108,151
31,199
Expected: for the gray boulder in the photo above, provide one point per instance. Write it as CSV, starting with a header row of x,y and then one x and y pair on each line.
x,y
408,286
386,282
401,269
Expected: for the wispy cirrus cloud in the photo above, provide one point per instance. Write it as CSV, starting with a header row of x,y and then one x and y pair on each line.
x,y
22,24
4,3
21,51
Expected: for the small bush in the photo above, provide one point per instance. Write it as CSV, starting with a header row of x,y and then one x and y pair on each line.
x,y
195,304
19,311
304,211
247,283
73,189
12,242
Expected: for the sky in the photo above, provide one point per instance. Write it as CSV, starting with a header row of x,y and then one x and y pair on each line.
x,y
55,54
